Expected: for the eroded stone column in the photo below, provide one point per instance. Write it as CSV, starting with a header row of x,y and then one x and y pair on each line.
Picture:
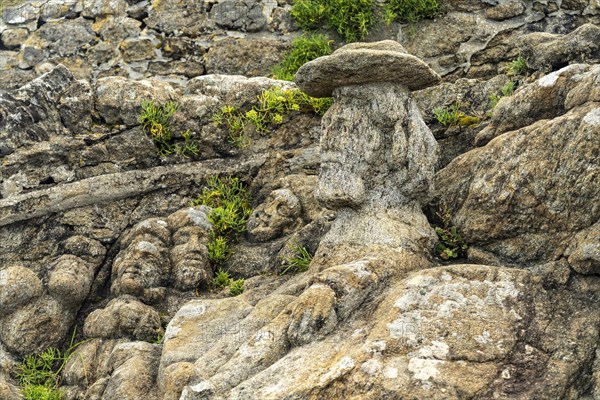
x,y
377,154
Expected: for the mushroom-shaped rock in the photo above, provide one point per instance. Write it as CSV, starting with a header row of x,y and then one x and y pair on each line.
x,y
362,63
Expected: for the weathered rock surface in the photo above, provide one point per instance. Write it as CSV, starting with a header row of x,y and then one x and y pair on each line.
x,y
548,52
531,208
96,230
361,63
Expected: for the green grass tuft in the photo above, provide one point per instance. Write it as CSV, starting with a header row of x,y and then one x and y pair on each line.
x,y
155,121
230,204
517,67
351,19
304,49
236,287
218,250
300,261
448,115
272,107
222,279
451,244
39,374
411,11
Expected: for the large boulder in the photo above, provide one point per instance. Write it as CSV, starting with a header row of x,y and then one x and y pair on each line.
x,y
526,194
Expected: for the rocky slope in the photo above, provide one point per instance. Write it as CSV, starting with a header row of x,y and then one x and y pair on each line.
x,y
97,234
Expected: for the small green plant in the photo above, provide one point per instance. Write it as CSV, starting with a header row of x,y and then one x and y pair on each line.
x,y
39,374
304,49
451,244
236,287
159,338
218,250
517,67
411,11
351,19
155,121
222,279
494,99
187,147
453,115
448,115
40,392
230,204
235,124
300,261
508,89
273,105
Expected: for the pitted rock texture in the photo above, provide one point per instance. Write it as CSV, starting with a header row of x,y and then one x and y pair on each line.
x,y
362,63
96,230
529,210
99,38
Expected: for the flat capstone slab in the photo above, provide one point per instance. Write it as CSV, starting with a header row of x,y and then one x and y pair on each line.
x,y
363,63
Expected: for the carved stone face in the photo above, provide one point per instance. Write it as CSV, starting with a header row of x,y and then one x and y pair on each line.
x,y
143,263
143,266
158,252
276,215
189,256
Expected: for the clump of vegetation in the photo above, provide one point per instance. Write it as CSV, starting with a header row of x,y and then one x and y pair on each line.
x,y
272,107
236,287
351,19
517,67
39,377
451,244
411,11
218,249
155,120
507,90
223,280
159,338
235,122
39,374
494,100
230,204
299,262
304,49
449,116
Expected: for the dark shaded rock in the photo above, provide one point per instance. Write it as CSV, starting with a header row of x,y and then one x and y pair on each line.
x,y
64,37
242,15
30,114
13,38
181,47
